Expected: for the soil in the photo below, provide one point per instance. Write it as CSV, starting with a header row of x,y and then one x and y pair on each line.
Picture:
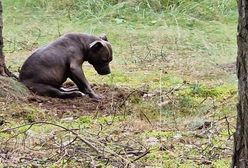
x,y
112,99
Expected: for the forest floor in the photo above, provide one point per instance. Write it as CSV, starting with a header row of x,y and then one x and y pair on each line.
x,y
169,102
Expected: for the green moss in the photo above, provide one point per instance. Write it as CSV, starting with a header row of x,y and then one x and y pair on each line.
x,y
222,163
12,88
5,136
85,120
201,90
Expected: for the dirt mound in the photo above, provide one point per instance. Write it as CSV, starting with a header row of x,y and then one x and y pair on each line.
x,y
12,89
113,99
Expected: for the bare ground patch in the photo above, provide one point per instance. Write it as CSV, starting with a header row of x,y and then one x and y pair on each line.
x,y
113,97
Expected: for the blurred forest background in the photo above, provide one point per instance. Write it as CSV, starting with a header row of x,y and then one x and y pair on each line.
x,y
170,100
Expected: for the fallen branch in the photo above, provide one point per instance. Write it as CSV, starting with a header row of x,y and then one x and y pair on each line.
x,y
77,136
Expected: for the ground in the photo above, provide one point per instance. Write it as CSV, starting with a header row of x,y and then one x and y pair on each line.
x,y
169,102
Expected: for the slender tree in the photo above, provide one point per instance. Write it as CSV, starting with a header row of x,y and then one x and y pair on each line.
x,y
240,155
3,69
2,60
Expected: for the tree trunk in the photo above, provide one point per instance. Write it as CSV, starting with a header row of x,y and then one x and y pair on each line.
x,y
3,69
2,61
240,155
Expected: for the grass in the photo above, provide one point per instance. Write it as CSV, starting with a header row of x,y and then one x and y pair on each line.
x,y
174,48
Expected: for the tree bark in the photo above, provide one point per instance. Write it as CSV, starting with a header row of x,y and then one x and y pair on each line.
x,y
3,68
240,154
2,60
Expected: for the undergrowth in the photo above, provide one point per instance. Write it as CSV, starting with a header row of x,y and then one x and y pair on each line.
x,y
178,53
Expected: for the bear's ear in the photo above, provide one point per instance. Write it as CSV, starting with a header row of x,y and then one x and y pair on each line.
x,y
96,45
103,37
